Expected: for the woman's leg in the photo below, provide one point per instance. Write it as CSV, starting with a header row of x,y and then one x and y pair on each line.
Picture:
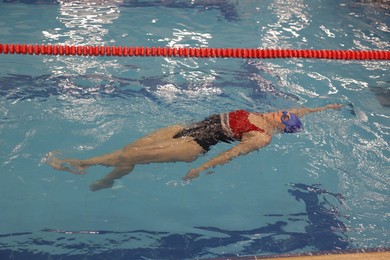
x,y
113,159
77,166
169,150
108,180
157,147
165,150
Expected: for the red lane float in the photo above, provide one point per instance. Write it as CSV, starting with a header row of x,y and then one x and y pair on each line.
x,y
141,51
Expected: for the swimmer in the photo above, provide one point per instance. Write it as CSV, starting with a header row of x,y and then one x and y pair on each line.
x,y
251,130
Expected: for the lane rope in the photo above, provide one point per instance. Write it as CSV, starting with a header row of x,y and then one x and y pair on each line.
x,y
142,51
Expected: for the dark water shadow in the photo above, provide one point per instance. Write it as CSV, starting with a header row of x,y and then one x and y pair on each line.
x,y
324,231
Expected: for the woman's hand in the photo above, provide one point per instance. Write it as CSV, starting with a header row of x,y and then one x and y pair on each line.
x,y
334,106
192,174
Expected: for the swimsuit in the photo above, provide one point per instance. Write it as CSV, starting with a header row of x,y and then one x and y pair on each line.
x,y
225,127
237,123
206,133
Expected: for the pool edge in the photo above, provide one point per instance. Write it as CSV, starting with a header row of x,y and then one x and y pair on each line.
x,y
374,254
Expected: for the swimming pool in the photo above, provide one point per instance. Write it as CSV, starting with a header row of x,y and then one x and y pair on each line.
x,y
326,188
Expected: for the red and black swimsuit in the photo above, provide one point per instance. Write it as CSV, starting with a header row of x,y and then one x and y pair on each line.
x,y
236,123
227,127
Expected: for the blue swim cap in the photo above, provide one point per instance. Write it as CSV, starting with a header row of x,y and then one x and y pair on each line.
x,y
292,123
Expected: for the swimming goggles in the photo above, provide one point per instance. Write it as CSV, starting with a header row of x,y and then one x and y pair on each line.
x,y
291,122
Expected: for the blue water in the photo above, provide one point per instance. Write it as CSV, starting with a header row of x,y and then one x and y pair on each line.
x,y
326,188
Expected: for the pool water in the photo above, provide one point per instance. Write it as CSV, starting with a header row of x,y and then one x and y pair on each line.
x,y
326,188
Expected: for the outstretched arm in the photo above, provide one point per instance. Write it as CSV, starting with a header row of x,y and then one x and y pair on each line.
x,y
250,142
305,110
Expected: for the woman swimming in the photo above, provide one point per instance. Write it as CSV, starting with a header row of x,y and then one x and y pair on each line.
x,y
176,143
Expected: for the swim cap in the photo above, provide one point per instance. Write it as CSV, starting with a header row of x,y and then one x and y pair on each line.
x,y
292,123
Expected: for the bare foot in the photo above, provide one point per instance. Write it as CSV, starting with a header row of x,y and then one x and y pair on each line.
x,y
192,174
334,106
101,184
69,165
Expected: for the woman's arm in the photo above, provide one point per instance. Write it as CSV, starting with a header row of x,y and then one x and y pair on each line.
x,y
305,110
251,141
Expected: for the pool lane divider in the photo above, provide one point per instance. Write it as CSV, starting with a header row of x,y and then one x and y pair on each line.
x,y
142,51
